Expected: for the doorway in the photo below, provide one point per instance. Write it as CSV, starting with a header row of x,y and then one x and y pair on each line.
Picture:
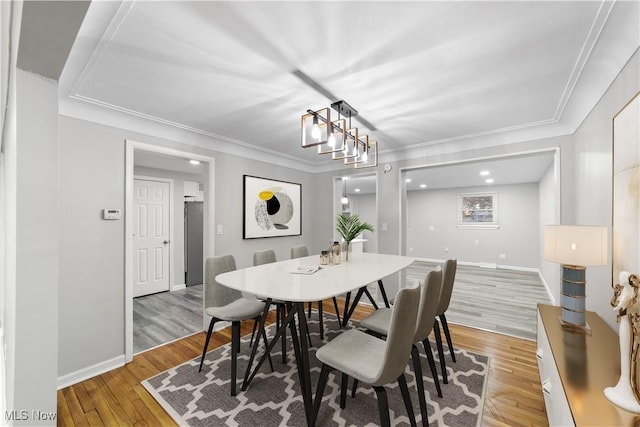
x,y
133,149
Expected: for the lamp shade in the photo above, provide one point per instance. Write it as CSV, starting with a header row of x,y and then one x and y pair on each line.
x,y
576,244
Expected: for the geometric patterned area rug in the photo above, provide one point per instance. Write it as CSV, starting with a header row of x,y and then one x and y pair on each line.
x,y
195,398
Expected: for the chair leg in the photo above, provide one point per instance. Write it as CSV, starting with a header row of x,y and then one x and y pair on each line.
x,y
443,366
235,347
335,305
383,406
320,319
402,381
354,387
253,332
432,364
322,382
447,334
309,310
417,370
206,342
343,390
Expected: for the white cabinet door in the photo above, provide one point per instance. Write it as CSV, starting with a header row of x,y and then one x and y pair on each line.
x,y
151,237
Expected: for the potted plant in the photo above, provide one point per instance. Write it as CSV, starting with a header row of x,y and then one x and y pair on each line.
x,y
350,227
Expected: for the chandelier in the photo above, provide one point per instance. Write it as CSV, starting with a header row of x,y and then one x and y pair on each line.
x,y
337,137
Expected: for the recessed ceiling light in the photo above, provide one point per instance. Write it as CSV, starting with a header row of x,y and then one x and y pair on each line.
x,y
344,178
484,173
423,185
489,181
357,190
407,180
194,162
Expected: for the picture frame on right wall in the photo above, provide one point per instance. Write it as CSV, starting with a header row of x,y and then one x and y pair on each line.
x,y
626,189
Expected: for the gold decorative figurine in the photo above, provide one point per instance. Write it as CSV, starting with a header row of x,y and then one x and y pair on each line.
x,y
626,394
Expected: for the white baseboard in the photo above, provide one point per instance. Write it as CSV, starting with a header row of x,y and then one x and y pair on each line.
x,y
90,372
178,287
546,286
483,265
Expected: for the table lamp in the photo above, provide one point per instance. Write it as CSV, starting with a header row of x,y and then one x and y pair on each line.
x,y
575,246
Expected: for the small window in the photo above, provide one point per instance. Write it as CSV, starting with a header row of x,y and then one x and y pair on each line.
x,y
478,210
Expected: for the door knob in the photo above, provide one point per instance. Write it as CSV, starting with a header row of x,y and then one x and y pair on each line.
x,y
166,242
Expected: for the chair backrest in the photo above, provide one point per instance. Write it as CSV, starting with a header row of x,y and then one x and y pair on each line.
x,y
400,337
264,257
429,302
215,294
448,277
299,251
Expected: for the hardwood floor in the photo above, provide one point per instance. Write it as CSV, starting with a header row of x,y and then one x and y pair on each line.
x,y
116,398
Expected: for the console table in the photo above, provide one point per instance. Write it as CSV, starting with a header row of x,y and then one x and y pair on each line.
x,y
575,369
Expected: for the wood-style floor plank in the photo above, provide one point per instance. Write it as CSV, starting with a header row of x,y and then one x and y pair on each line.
x,y
116,398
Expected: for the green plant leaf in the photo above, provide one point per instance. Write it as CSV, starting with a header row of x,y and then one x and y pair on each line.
x,y
350,226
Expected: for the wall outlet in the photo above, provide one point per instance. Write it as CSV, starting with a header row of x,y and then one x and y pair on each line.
x,y
410,249
219,229
502,256
446,249
477,242
384,226
432,228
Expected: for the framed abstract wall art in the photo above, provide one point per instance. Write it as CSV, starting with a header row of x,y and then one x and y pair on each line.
x,y
271,208
626,190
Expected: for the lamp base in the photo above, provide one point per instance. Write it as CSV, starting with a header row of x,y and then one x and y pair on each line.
x,y
572,327
573,299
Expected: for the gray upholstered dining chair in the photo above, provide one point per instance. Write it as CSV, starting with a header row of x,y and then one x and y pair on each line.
x,y
379,321
301,251
226,304
448,278
268,256
371,360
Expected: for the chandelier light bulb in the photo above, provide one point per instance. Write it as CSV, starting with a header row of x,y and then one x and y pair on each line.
x,y
332,140
315,129
365,156
345,200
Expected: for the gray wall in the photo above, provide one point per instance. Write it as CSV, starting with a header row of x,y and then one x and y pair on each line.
x,y
549,215
177,214
517,236
365,206
92,165
31,316
593,177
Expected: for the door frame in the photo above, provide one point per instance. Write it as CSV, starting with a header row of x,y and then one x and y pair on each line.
x,y
209,224
172,282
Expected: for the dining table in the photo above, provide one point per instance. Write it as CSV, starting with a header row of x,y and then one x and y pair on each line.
x,y
300,280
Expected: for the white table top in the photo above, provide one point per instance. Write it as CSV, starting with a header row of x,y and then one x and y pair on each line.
x,y
276,281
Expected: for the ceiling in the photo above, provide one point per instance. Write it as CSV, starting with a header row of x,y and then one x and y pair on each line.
x,y
421,74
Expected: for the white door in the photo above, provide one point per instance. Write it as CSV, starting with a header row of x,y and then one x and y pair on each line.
x,y
151,237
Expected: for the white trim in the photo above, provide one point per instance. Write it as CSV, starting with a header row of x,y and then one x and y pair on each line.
x,y
177,287
90,371
209,225
546,286
485,265
171,236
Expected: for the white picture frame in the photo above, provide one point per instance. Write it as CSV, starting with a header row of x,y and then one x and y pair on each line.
x,y
478,210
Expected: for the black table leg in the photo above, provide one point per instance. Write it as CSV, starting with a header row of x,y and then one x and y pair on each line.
x,y
384,294
348,314
249,374
302,361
